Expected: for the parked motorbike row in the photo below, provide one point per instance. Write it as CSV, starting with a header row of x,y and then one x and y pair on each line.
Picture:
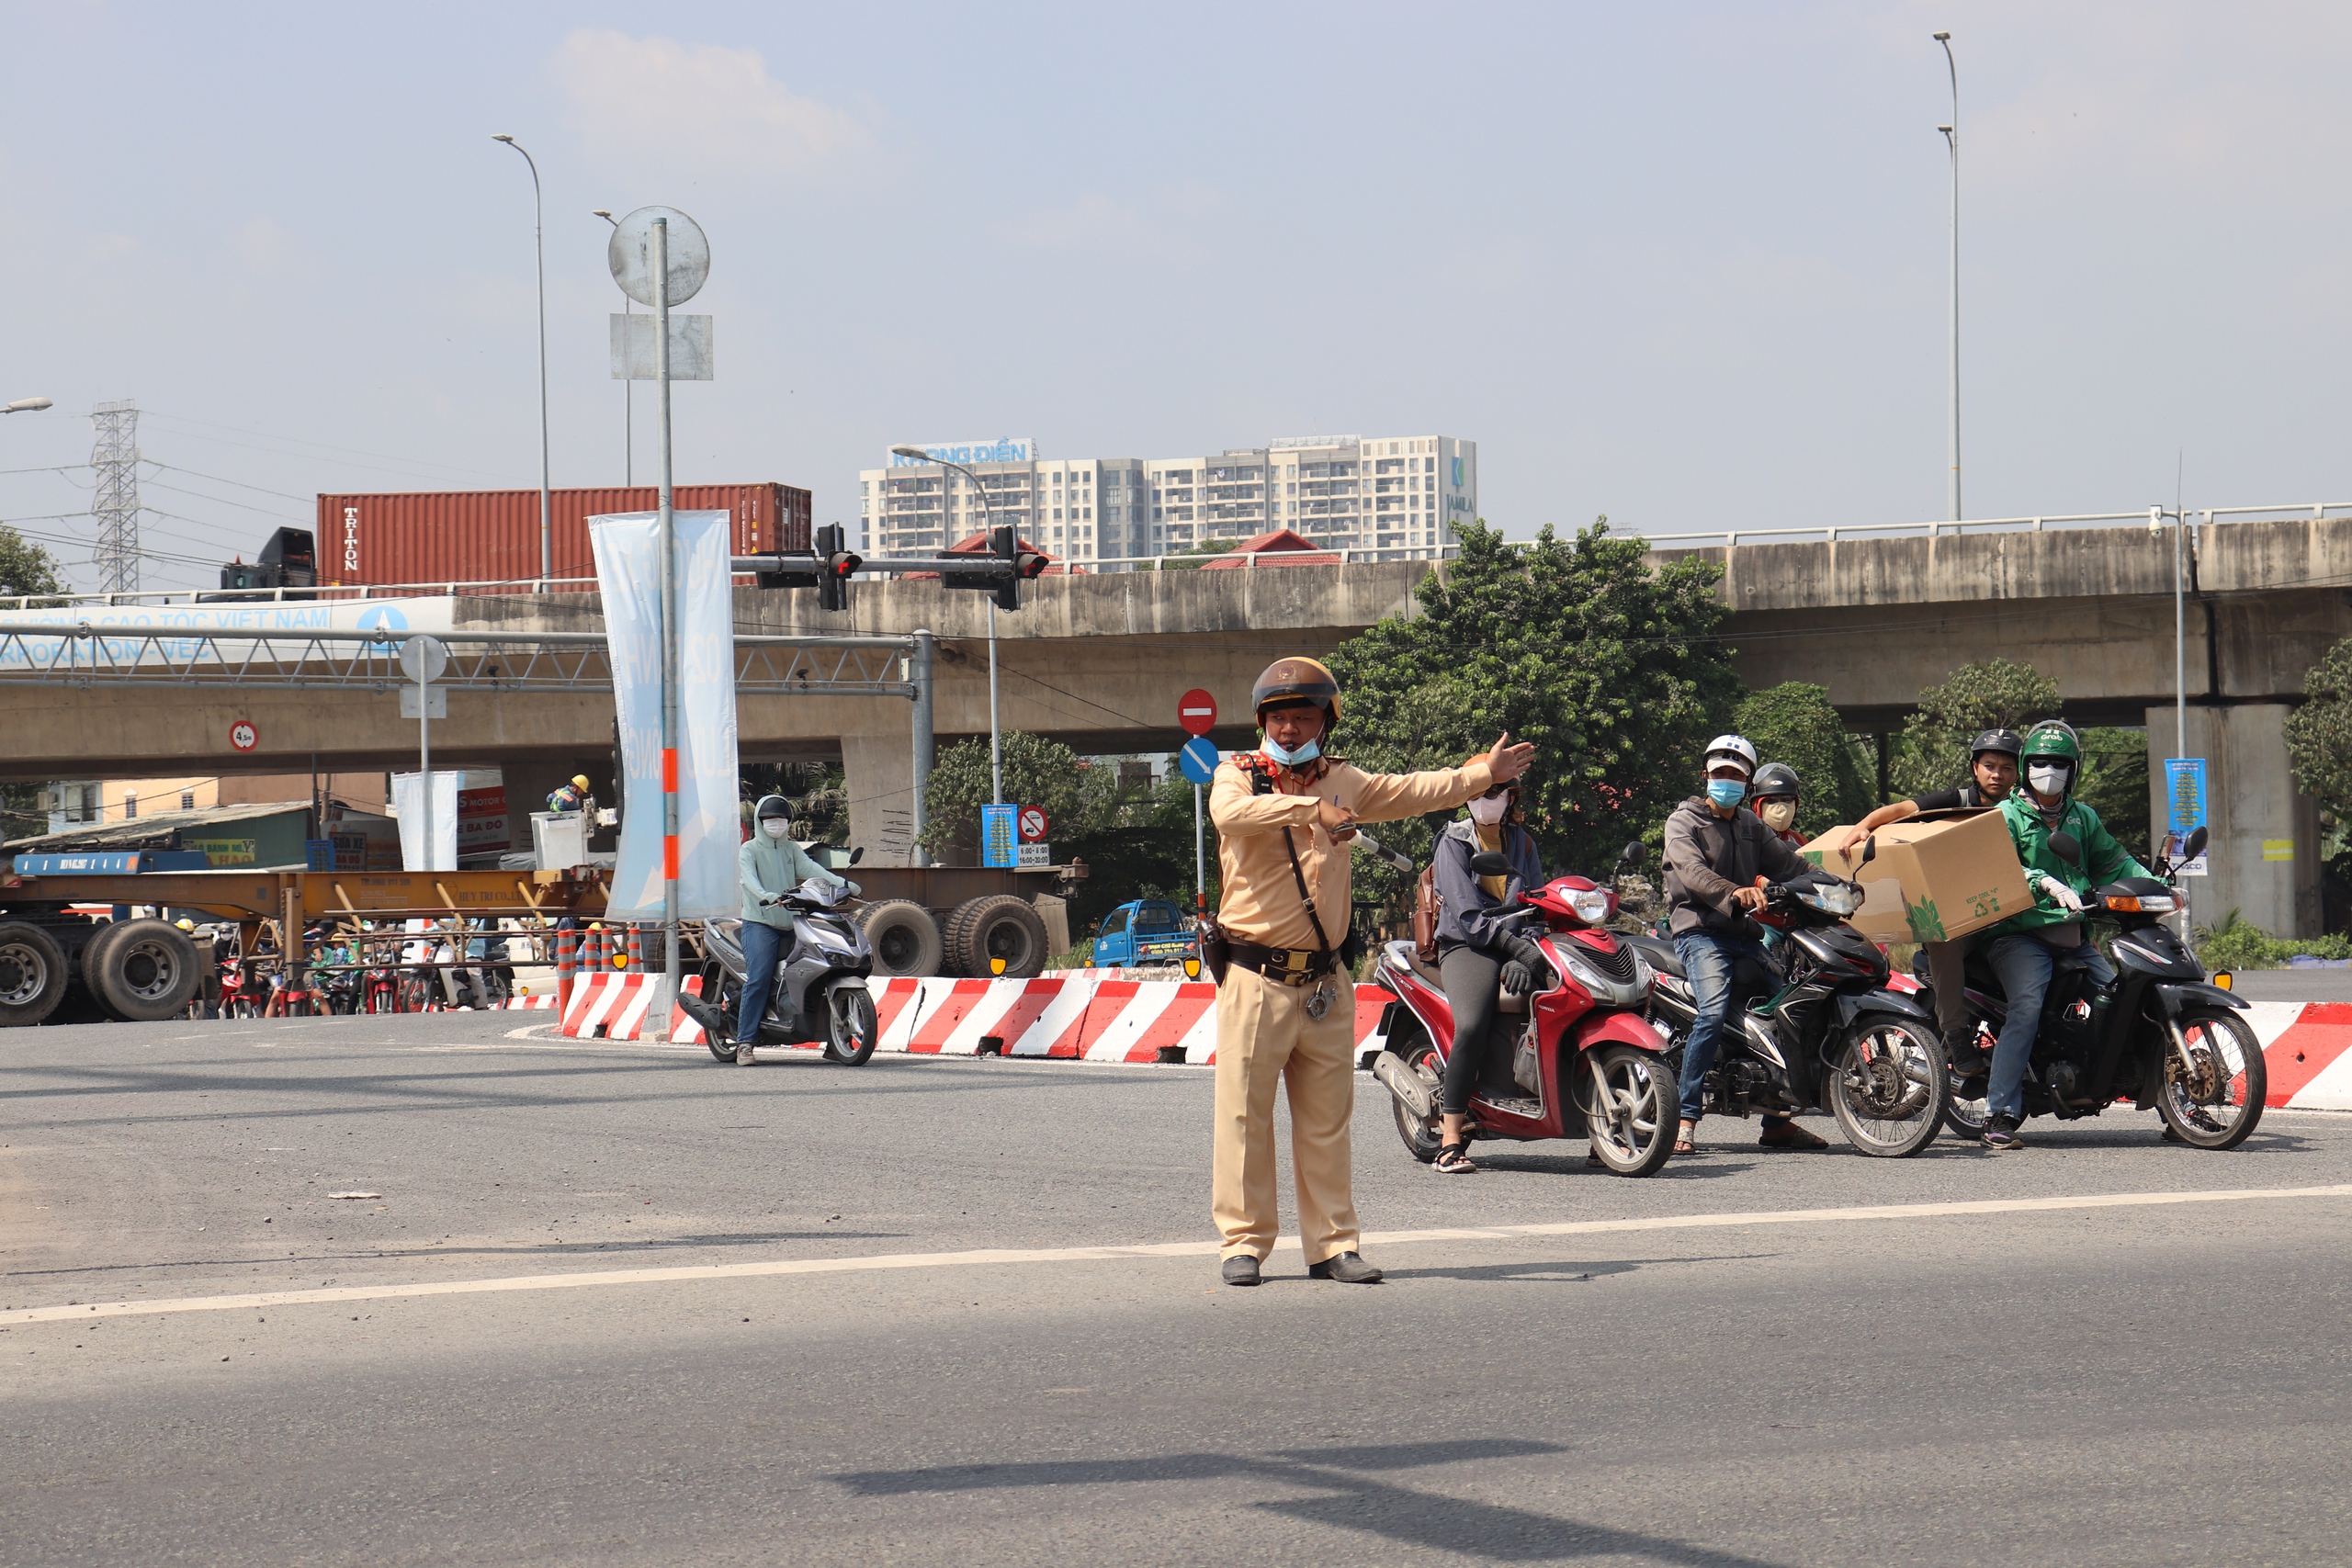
x,y
370,972
1596,1052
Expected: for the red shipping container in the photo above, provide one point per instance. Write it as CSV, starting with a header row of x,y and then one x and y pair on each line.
x,y
491,536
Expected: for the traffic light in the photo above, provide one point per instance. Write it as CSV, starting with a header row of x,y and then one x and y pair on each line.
x,y
836,564
827,570
1001,572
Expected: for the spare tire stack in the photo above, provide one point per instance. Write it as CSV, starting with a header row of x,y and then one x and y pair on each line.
x,y
904,937
1000,926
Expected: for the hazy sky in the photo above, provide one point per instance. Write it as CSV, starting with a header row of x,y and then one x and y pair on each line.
x,y
1678,264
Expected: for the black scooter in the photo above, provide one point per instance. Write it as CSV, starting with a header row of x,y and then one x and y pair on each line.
x,y
2162,1036
1817,1028
820,995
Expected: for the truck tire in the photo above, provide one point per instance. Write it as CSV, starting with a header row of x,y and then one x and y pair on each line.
x,y
956,933
1009,928
904,937
140,970
32,974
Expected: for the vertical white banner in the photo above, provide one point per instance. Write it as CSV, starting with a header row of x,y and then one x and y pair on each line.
x,y
628,575
408,804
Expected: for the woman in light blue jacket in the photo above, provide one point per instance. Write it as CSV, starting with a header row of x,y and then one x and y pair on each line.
x,y
768,866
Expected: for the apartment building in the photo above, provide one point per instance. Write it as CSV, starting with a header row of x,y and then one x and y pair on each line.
x,y
1391,497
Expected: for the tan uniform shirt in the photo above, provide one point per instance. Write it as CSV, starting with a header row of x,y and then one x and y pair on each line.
x,y
1259,898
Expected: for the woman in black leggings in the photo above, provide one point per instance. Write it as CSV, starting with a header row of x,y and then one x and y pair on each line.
x,y
1477,953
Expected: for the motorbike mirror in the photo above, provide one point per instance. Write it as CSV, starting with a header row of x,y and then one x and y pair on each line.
x,y
857,854
1632,854
2196,845
1870,851
1490,862
2063,846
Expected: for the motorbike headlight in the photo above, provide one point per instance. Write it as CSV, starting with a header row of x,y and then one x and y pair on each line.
x,y
1593,905
2144,904
1837,898
830,940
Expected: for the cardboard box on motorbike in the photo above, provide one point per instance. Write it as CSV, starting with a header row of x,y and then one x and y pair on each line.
x,y
1937,875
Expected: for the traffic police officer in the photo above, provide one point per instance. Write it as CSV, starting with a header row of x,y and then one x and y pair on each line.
x,y
1285,1010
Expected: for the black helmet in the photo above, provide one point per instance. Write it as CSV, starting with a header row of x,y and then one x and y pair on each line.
x,y
2004,741
1774,778
770,806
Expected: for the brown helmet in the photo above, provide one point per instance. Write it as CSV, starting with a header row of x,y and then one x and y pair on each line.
x,y
1292,681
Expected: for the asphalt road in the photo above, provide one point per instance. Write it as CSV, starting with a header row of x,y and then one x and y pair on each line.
x,y
1752,1358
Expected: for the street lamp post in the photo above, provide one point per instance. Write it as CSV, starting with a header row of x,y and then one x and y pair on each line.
x,y
987,525
628,389
25,405
1951,139
538,244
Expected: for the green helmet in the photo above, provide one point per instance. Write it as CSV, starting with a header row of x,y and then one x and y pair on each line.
x,y
2053,738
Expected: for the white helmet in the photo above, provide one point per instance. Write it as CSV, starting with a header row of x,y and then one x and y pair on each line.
x,y
1730,749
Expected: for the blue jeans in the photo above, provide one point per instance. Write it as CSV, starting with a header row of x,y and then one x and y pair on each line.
x,y
2024,966
763,946
1707,958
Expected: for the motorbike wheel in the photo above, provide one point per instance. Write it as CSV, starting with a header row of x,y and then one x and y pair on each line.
x,y
719,1030
854,1029
2216,1099
1421,1138
1966,1112
1633,1130
1889,1090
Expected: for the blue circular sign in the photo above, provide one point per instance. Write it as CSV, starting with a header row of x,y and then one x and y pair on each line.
x,y
1198,758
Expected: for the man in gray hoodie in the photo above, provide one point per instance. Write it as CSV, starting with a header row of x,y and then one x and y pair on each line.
x,y
1714,851
768,866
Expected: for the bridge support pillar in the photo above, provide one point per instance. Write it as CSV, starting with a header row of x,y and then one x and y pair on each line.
x,y
877,773
2264,851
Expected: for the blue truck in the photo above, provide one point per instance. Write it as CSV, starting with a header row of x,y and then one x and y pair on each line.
x,y
1146,932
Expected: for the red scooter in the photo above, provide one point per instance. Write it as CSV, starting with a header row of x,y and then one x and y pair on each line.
x,y
1574,1060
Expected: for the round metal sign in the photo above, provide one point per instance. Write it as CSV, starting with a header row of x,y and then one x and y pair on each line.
x,y
243,735
1198,758
423,658
1030,824
630,254
1196,712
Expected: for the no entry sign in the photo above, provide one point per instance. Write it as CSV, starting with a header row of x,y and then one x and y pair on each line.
x,y
1032,823
1196,712
243,735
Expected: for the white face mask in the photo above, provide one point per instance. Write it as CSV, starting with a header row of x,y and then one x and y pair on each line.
x,y
2048,780
1487,811
1778,814
775,827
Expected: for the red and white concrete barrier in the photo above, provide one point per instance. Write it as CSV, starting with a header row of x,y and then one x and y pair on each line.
x,y
2306,1053
607,1007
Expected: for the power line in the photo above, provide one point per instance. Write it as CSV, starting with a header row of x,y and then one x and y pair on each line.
x,y
329,447
224,501
223,478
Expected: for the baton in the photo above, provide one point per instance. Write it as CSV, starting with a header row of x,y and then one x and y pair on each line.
x,y
1381,851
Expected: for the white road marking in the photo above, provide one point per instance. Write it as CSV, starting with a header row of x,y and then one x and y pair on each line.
x,y
80,1311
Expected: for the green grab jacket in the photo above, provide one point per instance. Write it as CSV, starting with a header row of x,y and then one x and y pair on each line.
x,y
2106,860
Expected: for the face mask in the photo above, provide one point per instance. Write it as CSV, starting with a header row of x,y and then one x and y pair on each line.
x,y
1726,791
1289,759
1778,814
775,827
1485,811
2047,781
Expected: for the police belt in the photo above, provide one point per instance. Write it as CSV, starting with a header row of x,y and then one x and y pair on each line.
x,y
1283,966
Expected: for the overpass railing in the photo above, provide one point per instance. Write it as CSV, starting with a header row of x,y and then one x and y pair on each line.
x,y
81,655
2152,517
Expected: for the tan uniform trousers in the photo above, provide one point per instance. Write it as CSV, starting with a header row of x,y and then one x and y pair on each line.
x,y
1263,1037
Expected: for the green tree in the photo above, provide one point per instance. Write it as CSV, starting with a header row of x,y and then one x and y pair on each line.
x,y
2318,733
1037,772
1610,668
1991,693
1793,722
2115,783
26,568
1191,557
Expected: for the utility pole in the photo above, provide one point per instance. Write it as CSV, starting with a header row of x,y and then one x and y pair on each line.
x,y
116,502
1952,137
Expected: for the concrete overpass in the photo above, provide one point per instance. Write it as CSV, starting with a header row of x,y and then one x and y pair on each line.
x,y
1099,661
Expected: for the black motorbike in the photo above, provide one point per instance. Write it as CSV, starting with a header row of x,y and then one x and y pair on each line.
x,y
2162,1036
1815,1028
820,994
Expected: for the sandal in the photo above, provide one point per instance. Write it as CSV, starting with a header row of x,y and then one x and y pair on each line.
x,y
1793,1137
1686,1139
1453,1159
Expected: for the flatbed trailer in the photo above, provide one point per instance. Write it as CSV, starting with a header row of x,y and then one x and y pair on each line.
x,y
145,969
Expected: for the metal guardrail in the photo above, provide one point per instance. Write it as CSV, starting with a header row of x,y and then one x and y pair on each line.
x,y
81,655
2150,517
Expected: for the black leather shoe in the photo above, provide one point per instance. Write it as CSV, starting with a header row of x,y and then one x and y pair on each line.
x,y
1241,1270
1348,1269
